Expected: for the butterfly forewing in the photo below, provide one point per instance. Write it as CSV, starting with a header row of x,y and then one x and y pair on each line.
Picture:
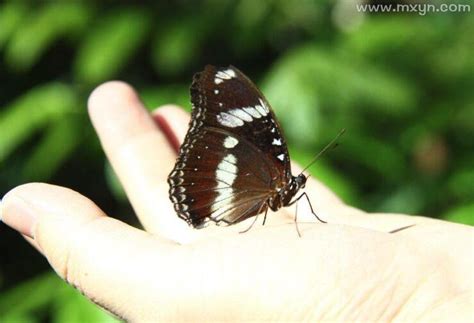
x,y
234,155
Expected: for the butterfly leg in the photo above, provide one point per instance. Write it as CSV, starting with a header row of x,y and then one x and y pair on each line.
x,y
310,205
265,217
256,217
296,220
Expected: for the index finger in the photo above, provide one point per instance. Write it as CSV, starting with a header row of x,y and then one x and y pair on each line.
x,y
140,153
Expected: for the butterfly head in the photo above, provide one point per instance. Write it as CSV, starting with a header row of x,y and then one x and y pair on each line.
x,y
285,195
300,181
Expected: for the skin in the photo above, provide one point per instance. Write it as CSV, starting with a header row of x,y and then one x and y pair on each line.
x,y
349,269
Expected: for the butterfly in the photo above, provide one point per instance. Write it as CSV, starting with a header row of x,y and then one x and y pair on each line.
x,y
234,162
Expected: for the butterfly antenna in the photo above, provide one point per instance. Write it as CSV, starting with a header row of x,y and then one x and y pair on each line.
x,y
332,144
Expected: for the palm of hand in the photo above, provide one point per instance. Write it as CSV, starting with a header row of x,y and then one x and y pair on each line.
x,y
349,269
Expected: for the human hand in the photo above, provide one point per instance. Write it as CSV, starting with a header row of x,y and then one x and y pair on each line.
x,y
348,269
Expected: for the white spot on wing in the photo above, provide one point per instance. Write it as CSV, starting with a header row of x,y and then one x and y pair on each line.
x,y
264,105
241,114
230,72
216,91
227,169
276,142
281,157
230,142
226,173
261,110
223,198
253,112
224,75
229,120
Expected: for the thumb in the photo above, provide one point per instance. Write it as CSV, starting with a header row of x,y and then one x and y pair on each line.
x,y
96,254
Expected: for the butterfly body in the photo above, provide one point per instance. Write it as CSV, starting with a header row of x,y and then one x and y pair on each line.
x,y
234,163
284,196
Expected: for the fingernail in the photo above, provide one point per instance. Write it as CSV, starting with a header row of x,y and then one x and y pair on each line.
x,y
18,214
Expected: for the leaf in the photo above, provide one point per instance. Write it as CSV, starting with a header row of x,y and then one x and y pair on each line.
x,y
461,214
383,35
113,183
44,26
154,97
39,291
407,199
19,318
461,183
33,111
175,46
70,306
60,140
340,82
108,46
327,175
295,103
12,15
372,152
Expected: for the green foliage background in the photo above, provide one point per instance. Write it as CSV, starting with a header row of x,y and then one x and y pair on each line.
x,y
401,84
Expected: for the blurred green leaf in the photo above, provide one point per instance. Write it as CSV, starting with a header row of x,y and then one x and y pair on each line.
x,y
20,318
55,147
384,35
26,300
154,97
110,44
386,161
295,104
176,45
408,199
72,307
461,184
463,120
12,14
114,183
249,25
29,296
44,26
461,214
309,81
343,78
328,175
33,111
455,60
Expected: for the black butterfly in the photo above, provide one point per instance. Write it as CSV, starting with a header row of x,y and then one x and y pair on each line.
x,y
234,163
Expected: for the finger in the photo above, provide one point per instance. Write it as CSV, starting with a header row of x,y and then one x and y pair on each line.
x,y
173,121
100,256
141,155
